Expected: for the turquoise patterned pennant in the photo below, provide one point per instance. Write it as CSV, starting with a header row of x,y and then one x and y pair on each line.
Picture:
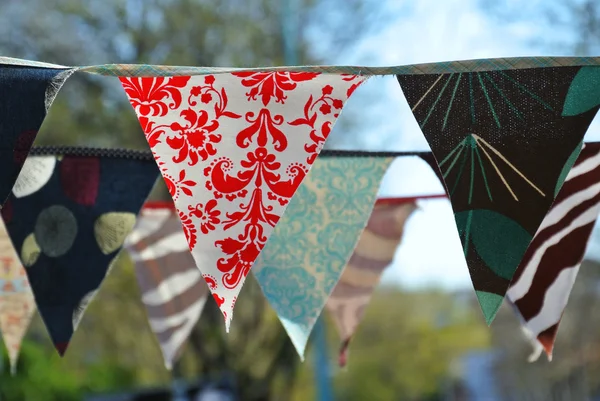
x,y
309,248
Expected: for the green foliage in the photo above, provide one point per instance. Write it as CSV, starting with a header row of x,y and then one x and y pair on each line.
x,y
404,350
41,375
406,345
39,378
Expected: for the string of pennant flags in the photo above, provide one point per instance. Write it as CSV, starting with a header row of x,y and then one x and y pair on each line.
x,y
240,151
173,289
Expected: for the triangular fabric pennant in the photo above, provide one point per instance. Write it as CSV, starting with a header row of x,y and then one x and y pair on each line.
x,y
309,248
67,217
542,284
17,305
172,287
374,252
233,148
27,94
504,141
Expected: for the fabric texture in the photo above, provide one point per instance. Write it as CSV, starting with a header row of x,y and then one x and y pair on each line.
x,y
27,93
309,248
504,141
17,305
233,149
67,218
542,284
172,287
477,65
374,252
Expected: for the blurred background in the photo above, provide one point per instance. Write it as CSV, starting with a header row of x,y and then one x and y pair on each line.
x,y
423,338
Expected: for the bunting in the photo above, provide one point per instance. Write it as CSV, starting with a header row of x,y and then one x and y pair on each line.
x,y
374,252
543,282
504,142
172,287
235,145
16,300
303,260
27,93
67,217
233,148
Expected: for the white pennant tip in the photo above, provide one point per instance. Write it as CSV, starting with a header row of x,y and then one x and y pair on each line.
x,y
228,316
298,334
537,351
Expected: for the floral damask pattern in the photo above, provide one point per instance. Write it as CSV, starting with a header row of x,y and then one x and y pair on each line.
x,y
303,260
233,149
291,294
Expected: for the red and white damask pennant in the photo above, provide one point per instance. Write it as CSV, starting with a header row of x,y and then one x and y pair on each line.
x,y
233,148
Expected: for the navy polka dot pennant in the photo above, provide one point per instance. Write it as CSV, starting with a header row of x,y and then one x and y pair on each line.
x,y
67,217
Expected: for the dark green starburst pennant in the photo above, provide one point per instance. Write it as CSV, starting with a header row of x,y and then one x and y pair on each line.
x,y
503,142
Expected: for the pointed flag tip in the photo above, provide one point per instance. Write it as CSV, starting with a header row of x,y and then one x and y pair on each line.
x,y
535,354
300,346
547,342
298,334
227,317
490,304
343,354
61,348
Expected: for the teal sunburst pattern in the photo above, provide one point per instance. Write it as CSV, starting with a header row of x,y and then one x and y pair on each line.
x,y
487,82
473,150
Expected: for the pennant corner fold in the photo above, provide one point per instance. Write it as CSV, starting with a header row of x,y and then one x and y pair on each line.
x,y
490,133
27,94
232,149
67,217
299,335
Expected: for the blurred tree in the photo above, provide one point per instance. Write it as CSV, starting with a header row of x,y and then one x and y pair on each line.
x,y
401,352
43,376
406,345
177,32
571,26
93,111
38,377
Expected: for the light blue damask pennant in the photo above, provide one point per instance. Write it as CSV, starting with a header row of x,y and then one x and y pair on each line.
x,y
310,246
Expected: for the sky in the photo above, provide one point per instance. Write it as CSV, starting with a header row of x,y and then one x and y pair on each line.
x,y
431,253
